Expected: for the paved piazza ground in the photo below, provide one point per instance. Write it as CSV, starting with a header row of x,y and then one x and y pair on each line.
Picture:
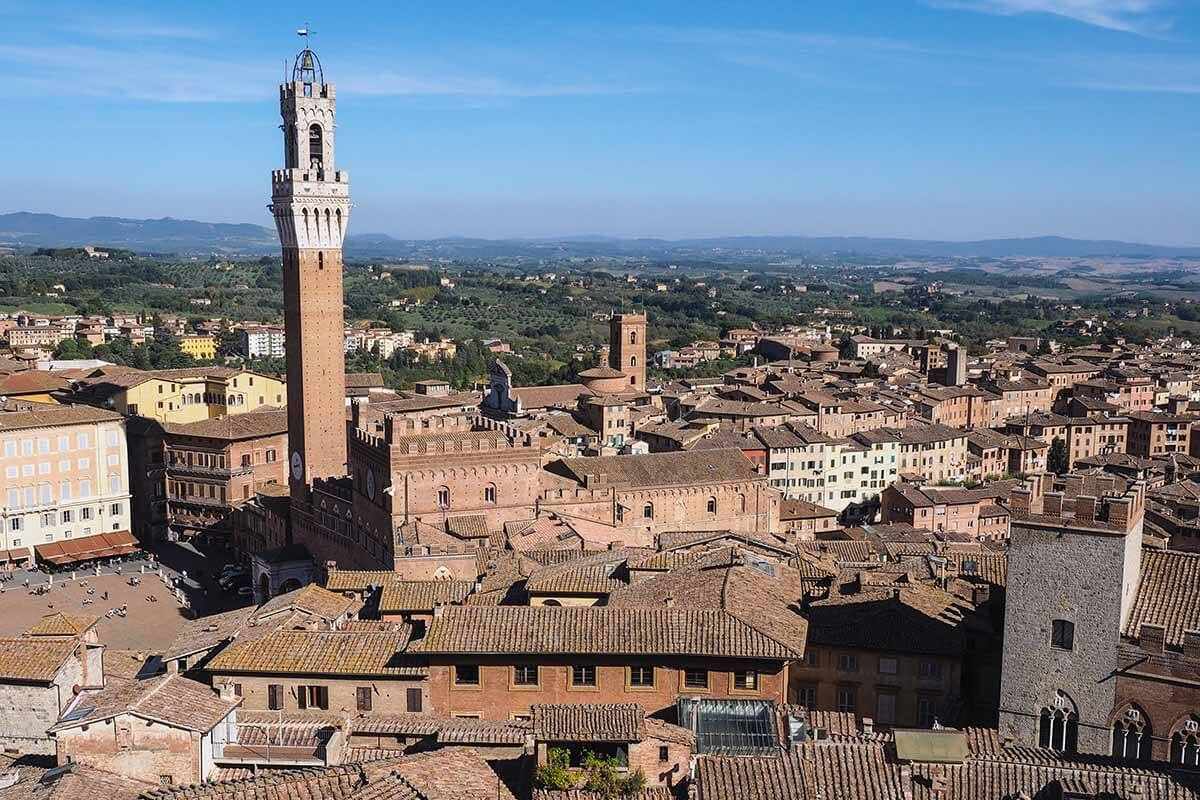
x,y
147,626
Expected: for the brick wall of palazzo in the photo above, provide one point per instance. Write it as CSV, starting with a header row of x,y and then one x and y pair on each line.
x,y
316,385
496,696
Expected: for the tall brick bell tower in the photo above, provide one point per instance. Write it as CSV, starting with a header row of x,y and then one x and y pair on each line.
x,y
311,204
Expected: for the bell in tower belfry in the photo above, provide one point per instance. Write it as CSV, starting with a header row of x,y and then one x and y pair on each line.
x,y
310,200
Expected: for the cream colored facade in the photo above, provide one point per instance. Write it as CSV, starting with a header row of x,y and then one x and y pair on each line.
x,y
181,396
65,475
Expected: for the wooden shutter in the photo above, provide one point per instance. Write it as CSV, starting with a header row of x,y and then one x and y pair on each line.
x,y
414,700
364,698
274,696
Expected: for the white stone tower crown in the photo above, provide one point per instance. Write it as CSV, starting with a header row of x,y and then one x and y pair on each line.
x,y
310,199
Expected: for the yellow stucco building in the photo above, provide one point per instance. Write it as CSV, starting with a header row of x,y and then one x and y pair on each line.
x,y
201,348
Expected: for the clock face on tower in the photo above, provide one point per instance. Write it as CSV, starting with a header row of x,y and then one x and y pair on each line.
x,y
297,465
371,483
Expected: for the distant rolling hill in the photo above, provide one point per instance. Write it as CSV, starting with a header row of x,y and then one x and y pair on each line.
x,y
26,230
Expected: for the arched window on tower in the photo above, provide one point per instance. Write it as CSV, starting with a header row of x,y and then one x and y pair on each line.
x,y
489,494
1131,735
712,505
443,497
633,337
648,511
316,146
1058,726
633,361
1185,743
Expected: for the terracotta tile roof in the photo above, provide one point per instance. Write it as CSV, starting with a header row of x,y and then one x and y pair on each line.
x,y
468,526
590,574
450,730
397,596
532,397
599,630
763,595
171,699
205,633
32,381
62,624
320,653
783,777
907,620
844,550
311,599
589,722
664,469
1168,595
543,533
55,416
233,427
34,659
448,774
39,778
357,580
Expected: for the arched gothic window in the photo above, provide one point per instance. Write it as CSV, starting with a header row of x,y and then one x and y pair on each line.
x,y
489,493
1058,726
443,496
648,511
712,505
1131,735
1185,743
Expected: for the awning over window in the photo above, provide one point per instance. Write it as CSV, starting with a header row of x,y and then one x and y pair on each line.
x,y
88,548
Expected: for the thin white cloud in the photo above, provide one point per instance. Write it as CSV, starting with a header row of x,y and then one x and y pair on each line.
x,y
1143,17
155,73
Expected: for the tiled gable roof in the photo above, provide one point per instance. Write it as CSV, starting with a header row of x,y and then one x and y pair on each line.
x,y
598,630
589,722
379,653
62,624
171,699
311,599
1168,595
36,659
664,469
400,595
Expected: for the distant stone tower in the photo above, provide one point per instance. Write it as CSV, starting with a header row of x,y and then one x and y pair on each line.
x,y
627,348
1073,571
311,204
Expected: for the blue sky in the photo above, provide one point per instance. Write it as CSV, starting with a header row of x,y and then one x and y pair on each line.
x,y
951,119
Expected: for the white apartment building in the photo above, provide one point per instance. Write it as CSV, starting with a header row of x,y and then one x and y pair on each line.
x,y
834,473
64,475
263,342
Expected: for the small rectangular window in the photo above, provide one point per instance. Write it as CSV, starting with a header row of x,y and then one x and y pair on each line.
x,y
275,696
847,662
583,676
363,698
466,675
745,681
1062,634
695,679
525,675
641,677
413,701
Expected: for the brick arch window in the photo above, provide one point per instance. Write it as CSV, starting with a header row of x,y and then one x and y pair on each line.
x,y
1132,735
648,511
741,504
712,505
443,496
633,337
489,493
1058,725
1185,742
